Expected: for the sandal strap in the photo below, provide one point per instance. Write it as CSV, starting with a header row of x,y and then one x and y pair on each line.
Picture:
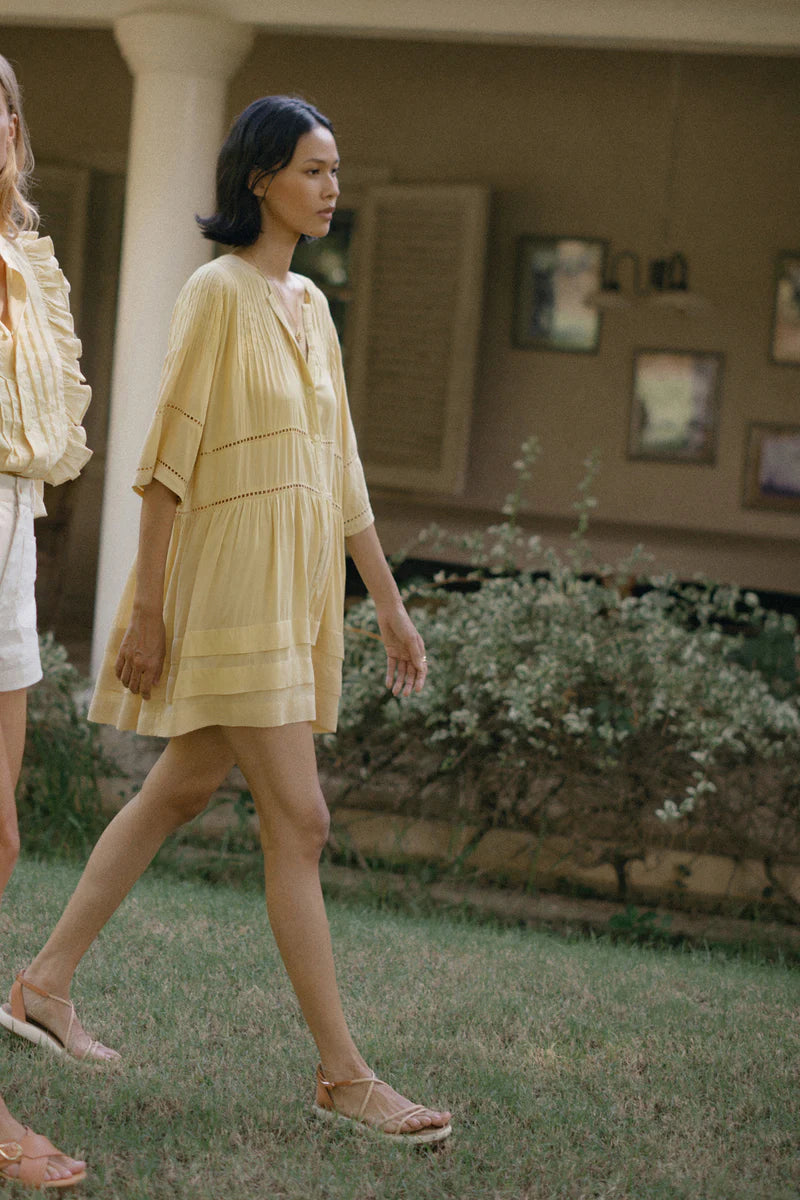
x,y
18,1000
19,1012
31,1152
400,1116
329,1083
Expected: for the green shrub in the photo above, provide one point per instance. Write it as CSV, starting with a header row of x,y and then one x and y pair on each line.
x,y
573,697
58,797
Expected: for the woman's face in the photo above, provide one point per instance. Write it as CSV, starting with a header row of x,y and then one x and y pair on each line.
x,y
8,129
301,197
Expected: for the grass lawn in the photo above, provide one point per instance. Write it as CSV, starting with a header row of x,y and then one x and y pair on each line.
x,y
576,1069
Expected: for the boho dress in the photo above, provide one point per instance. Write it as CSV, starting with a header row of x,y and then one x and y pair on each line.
x,y
257,443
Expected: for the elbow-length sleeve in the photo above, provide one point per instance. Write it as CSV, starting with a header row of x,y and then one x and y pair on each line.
x,y
356,509
77,394
187,379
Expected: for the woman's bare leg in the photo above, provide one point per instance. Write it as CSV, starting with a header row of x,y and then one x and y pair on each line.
x,y
177,789
13,707
281,771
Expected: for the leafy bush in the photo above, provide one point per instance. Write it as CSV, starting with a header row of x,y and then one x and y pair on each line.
x,y
58,797
567,696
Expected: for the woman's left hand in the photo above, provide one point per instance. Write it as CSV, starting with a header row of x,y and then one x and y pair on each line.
x,y
406,664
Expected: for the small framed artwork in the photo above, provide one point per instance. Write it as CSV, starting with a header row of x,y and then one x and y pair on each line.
x,y
772,468
555,277
785,343
675,405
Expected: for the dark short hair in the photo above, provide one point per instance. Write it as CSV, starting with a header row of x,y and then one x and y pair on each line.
x,y
262,139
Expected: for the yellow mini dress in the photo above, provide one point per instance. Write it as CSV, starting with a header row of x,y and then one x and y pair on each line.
x,y
258,444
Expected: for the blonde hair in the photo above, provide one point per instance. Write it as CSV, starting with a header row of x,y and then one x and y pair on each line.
x,y
16,211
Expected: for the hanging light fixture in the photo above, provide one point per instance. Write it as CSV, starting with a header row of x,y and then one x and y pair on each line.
x,y
667,280
610,295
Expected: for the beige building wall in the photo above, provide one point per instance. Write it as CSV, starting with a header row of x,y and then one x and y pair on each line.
x,y
570,141
576,142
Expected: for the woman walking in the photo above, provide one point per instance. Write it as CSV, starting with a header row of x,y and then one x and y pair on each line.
x,y
228,639
42,400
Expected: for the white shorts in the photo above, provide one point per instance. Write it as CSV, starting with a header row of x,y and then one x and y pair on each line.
x,y
20,665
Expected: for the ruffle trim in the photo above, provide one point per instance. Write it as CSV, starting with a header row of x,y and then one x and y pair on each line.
x,y
77,394
74,458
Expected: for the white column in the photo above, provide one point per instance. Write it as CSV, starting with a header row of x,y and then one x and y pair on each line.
x,y
181,63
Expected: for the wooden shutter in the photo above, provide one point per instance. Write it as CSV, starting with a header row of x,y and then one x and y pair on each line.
x,y
415,322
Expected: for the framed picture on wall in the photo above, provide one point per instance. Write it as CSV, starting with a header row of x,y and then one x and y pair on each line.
x,y
555,276
675,405
785,342
772,467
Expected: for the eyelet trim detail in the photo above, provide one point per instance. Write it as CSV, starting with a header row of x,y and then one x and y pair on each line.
x,y
160,462
188,416
287,487
259,437
357,516
256,437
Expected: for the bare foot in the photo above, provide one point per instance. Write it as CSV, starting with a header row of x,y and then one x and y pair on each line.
x,y
57,1016
59,1166
385,1108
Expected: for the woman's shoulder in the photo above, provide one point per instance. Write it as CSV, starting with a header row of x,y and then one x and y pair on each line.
x,y
216,275
210,287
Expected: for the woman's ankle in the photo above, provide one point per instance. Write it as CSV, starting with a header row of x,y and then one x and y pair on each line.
x,y
337,1067
48,977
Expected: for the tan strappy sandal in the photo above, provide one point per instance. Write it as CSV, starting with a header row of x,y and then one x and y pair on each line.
x,y
324,1107
31,1153
14,1017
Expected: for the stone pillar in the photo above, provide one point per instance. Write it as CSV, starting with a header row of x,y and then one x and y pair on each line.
x,y
181,63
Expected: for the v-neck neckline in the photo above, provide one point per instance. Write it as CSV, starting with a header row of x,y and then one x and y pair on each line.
x,y
279,308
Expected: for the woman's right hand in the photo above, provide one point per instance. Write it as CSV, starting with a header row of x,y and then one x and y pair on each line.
x,y
142,652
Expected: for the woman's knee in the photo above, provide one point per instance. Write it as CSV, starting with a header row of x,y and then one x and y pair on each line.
x,y
9,850
187,801
300,825
183,784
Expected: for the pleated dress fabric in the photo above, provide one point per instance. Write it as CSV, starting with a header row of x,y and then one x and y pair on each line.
x,y
258,444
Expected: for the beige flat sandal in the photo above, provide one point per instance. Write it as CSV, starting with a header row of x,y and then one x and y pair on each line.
x,y
14,1017
32,1153
324,1107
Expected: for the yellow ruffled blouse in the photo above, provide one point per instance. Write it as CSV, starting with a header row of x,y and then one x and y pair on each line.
x,y
43,395
257,443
